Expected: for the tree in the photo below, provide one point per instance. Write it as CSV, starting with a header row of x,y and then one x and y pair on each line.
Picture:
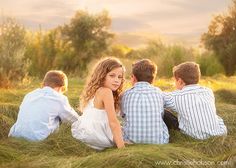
x,y
221,38
88,35
12,49
118,50
42,51
209,64
172,56
166,57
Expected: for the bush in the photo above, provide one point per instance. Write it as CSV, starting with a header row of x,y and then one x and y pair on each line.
x,y
173,56
209,64
166,57
12,48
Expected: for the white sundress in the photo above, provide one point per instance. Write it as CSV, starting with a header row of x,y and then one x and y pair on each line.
x,y
93,128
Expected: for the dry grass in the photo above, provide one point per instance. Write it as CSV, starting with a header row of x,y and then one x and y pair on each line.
x,y
61,150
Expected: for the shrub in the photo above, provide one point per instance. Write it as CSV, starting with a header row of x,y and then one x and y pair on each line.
x,y
209,64
12,48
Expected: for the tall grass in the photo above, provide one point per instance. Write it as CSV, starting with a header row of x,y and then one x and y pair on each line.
x,y
61,150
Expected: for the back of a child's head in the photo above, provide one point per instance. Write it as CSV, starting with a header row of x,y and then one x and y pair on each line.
x,y
144,70
55,78
189,72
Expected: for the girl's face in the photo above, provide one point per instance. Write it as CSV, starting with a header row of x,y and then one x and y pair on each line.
x,y
114,78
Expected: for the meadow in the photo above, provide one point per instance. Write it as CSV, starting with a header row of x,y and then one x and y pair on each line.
x,y
61,150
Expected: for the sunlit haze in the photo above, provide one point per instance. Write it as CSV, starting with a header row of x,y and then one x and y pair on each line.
x,y
134,22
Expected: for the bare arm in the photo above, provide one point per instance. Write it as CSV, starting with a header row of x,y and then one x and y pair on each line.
x,y
108,101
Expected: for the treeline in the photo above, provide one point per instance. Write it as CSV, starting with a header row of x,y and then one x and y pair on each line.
x,y
69,47
86,37
167,56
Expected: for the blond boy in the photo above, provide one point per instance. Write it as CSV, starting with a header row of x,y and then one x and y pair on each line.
x,y
42,109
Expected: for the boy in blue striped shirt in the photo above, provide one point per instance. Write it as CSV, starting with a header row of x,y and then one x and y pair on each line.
x,y
194,104
142,107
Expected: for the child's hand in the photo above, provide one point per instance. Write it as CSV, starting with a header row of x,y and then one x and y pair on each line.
x,y
128,143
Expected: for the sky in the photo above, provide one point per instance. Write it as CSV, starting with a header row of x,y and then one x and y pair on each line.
x,y
134,22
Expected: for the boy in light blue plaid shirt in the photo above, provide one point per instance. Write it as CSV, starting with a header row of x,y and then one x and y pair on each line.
x,y
142,107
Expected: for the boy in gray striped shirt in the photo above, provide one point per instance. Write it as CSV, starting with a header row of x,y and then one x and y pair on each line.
x,y
194,104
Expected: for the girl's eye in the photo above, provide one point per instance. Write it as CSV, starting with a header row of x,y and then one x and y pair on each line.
x,y
120,77
112,75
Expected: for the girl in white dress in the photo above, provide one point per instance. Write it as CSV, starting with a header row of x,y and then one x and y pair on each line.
x,y
98,127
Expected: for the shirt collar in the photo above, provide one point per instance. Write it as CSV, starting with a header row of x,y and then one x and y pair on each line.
x,y
190,87
49,89
142,83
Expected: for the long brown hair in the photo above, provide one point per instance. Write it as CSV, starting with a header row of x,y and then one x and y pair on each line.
x,y
97,78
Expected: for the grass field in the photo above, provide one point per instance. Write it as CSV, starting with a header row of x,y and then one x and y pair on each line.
x,y
61,150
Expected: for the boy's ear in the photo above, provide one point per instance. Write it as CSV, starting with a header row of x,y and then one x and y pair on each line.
x,y
134,78
60,89
182,82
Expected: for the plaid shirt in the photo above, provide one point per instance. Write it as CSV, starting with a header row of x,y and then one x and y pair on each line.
x,y
142,108
196,110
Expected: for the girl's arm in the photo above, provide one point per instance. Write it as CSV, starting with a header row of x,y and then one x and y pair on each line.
x,y
108,101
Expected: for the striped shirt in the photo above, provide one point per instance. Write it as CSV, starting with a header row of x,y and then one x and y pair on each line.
x,y
143,107
196,110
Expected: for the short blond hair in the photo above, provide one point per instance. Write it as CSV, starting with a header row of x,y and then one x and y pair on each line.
x,y
55,78
189,72
144,70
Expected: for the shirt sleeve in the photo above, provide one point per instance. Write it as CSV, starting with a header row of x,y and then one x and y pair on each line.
x,y
169,102
211,94
68,114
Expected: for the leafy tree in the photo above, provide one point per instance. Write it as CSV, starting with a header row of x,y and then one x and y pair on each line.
x,y
209,64
65,57
88,35
173,56
12,49
42,52
166,57
221,38
118,50
153,50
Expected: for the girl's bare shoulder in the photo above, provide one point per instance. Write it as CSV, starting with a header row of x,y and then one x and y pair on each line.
x,y
102,91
